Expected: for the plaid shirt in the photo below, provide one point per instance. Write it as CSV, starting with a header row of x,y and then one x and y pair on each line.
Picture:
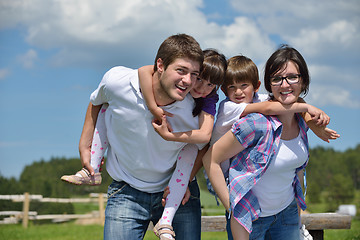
x,y
260,136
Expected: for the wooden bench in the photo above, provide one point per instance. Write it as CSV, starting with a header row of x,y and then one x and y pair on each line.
x,y
315,223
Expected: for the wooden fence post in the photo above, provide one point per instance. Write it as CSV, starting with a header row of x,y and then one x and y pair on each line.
x,y
101,209
26,206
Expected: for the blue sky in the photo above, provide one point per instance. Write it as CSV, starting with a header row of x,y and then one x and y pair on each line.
x,y
54,53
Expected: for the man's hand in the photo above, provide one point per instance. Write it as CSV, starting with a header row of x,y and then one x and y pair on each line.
x,y
85,156
167,192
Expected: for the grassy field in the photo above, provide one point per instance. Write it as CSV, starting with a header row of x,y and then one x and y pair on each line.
x,y
72,231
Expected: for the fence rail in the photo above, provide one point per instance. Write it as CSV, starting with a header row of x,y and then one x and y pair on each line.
x,y
314,222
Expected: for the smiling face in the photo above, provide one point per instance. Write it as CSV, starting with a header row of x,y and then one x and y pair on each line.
x,y
286,93
241,92
202,88
176,80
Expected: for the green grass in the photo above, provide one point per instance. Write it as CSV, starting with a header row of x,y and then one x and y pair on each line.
x,y
345,234
209,205
64,231
82,208
72,231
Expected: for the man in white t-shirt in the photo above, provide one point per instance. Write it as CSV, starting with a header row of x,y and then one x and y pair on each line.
x,y
139,160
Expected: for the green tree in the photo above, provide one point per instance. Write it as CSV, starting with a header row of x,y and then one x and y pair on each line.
x,y
340,191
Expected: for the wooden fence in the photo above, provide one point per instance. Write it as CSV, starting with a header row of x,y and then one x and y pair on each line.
x,y
26,215
314,222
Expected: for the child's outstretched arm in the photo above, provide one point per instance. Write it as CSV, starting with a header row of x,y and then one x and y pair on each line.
x,y
316,125
201,135
276,108
324,133
316,119
145,79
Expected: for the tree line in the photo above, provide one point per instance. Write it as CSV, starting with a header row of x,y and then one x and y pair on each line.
x,y
331,175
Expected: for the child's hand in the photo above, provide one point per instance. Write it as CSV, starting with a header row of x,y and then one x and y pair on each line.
x,y
159,113
326,134
319,116
163,129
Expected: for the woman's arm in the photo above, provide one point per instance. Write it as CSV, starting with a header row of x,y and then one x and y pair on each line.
x,y
145,79
201,135
226,147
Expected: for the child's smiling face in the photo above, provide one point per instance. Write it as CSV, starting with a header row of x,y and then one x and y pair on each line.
x,y
202,88
240,92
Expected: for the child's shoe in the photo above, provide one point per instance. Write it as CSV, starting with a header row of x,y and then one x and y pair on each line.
x,y
83,177
164,230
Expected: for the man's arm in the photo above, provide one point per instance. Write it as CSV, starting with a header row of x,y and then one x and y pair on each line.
x,y
87,136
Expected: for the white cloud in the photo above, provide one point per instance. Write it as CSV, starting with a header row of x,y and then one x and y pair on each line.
x,y
329,75
317,28
28,58
103,33
338,37
323,95
245,37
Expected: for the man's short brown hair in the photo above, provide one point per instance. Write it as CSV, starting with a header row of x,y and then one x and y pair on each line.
x,y
179,46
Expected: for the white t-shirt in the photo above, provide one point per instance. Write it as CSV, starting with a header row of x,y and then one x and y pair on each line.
x,y
228,113
136,153
274,190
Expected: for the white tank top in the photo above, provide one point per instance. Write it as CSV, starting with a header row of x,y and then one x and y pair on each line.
x,y
274,190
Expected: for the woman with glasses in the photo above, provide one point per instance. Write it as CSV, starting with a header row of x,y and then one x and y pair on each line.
x,y
270,152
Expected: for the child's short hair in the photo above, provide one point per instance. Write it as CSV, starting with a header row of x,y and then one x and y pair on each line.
x,y
241,69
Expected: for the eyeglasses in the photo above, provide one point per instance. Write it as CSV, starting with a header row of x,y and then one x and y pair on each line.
x,y
291,79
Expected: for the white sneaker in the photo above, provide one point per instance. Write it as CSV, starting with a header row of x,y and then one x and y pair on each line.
x,y
304,234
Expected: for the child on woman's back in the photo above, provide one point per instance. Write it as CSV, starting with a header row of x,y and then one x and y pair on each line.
x,y
240,86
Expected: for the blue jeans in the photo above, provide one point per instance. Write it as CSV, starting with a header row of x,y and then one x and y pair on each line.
x,y
281,226
129,212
